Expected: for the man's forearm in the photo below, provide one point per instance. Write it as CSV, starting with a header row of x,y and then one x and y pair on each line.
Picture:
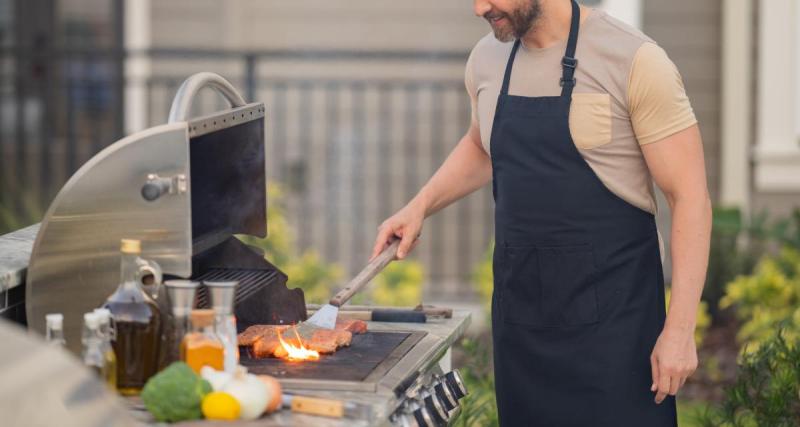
x,y
466,169
691,234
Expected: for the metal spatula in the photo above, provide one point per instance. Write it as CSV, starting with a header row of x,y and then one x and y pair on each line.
x,y
325,317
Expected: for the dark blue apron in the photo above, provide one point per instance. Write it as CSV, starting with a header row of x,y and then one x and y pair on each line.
x,y
578,298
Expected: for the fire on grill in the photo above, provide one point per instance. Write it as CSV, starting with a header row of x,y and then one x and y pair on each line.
x,y
262,341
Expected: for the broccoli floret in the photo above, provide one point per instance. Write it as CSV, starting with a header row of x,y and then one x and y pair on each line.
x,y
175,394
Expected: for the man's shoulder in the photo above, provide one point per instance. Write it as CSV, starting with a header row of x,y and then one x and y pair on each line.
x,y
489,47
609,39
617,30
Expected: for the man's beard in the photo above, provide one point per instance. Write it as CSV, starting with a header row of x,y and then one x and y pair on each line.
x,y
518,22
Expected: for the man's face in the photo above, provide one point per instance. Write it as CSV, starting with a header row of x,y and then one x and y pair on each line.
x,y
510,19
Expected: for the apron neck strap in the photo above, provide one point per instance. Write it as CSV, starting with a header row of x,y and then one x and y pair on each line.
x,y
568,62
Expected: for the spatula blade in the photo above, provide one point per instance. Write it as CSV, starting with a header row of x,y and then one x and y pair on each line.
x,y
325,317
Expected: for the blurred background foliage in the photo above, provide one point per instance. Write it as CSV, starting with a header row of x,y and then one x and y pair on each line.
x,y
400,284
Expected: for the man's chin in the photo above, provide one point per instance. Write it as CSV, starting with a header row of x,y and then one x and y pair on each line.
x,y
503,36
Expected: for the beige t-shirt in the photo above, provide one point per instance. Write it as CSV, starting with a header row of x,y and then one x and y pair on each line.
x,y
628,93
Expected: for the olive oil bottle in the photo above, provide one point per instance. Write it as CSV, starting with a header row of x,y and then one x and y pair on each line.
x,y
137,321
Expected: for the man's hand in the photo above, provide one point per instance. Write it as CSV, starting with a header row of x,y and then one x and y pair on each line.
x,y
405,224
673,360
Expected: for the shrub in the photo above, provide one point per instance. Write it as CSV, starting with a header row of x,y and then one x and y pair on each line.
x,y
399,284
483,278
766,389
479,407
767,299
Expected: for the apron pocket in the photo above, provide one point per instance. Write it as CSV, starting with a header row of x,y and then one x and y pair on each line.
x,y
549,286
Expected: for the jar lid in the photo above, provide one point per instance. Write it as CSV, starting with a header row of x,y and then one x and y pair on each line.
x,y
54,320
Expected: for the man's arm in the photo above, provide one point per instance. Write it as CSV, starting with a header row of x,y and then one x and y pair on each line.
x,y
466,169
677,165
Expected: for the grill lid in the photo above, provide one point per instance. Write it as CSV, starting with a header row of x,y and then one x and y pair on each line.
x,y
180,188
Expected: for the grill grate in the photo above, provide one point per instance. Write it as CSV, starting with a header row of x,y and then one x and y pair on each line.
x,y
250,281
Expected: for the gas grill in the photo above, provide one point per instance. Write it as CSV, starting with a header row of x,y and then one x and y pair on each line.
x,y
185,189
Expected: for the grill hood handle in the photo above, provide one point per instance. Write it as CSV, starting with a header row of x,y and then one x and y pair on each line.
x,y
182,103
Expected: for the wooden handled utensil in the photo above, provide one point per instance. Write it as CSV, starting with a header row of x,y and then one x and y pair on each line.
x,y
325,317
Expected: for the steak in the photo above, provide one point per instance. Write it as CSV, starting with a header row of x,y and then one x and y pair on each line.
x,y
264,342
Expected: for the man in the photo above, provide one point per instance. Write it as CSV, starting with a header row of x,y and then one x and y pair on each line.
x,y
574,115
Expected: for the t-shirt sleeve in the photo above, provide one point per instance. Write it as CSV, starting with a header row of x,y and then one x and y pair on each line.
x,y
472,89
657,100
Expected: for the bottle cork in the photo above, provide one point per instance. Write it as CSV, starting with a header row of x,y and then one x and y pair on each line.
x,y
130,246
202,318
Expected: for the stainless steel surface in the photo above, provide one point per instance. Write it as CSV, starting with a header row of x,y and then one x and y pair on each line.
x,y
181,104
222,295
15,253
74,263
220,120
181,294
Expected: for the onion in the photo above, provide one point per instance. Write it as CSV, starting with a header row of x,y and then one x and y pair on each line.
x,y
274,390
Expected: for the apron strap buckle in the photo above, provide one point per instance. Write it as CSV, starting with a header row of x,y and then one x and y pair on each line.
x,y
570,62
570,82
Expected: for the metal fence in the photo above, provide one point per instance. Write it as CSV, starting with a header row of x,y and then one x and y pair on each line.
x,y
348,151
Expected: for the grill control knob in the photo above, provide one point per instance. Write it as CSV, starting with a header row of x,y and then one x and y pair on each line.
x,y
456,383
435,408
423,418
445,395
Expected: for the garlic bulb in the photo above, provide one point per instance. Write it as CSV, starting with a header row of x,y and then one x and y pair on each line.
x,y
251,392
217,379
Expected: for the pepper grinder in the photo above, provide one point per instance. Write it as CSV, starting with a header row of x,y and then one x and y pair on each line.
x,y
181,295
222,295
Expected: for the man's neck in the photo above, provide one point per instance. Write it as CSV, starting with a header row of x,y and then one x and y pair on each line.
x,y
553,24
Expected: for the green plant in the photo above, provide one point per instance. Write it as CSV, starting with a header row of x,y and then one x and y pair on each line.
x,y
766,389
767,299
479,407
483,278
27,211
399,284
738,243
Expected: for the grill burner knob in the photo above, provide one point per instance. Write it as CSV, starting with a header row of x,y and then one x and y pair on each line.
x,y
456,383
445,395
423,417
435,408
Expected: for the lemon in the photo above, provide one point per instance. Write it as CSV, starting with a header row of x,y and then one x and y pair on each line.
x,y
219,405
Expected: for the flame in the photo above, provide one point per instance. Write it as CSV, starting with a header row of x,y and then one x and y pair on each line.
x,y
294,353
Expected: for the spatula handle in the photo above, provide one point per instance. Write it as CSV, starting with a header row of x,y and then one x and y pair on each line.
x,y
371,270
